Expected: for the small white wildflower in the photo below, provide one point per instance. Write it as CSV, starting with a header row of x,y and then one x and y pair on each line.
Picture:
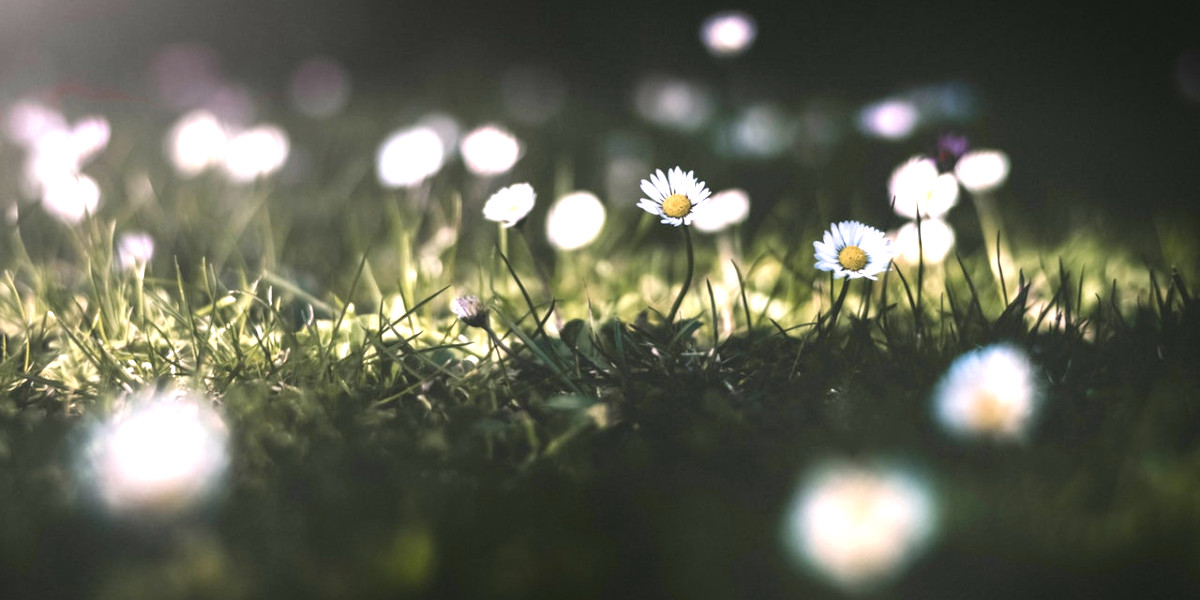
x,y
851,249
510,205
676,197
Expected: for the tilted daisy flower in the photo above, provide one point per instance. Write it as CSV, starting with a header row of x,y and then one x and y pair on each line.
x,y
676,196
851,249
510,205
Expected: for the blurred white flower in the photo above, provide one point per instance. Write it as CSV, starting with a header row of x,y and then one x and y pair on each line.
x,y
728,33
851,249
891,119
160,456
761,131
575,220
409,156
726,208
90,135
70,197
56,153
490,150
674,103
936,240
859,525
990,392
26,121
255,152
982,170
196,142
134,249
916,184
510,205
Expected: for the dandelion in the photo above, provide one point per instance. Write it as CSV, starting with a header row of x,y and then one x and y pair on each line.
x,y
859,525
988,392
510,205
916,186
676,197
851,249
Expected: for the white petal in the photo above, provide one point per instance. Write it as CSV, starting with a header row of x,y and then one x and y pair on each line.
x,y
649,189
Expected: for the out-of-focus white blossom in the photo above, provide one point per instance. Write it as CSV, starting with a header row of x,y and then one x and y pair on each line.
x,y
858,526
728,33
575,220
255,152
726,208
916,186
158,456
989,392
134,249
70,197
982,170
409,156
935,241
196,142
490,150
889,119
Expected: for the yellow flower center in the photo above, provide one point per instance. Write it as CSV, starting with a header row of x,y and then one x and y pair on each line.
x,y
852,258
676,205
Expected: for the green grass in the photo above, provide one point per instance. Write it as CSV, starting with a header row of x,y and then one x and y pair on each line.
x,y
380,448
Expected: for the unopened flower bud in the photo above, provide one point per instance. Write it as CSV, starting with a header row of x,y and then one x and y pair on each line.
x,y
470,310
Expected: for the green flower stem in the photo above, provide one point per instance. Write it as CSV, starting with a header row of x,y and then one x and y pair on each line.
x,y
837,307
537,264
687,283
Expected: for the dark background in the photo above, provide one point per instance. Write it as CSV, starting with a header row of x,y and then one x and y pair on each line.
x,y
1087,99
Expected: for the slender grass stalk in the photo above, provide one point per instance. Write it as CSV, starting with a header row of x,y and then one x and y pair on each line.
x,y
687,282
989,225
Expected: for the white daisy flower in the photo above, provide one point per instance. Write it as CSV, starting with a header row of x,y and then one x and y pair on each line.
x,y
991,391
676,197
510,205
851,249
